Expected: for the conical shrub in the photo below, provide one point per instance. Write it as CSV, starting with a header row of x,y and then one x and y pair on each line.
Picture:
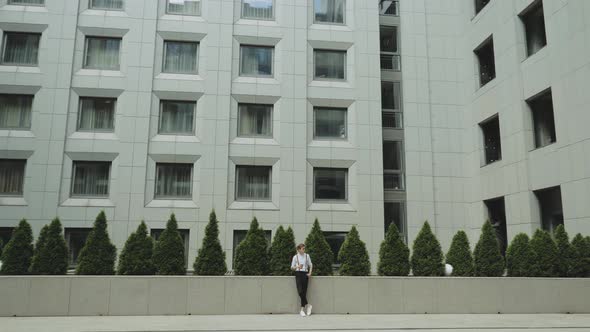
x,y
319,251
353,256
169,250
488,260
137,255
581,261
520,258
564,252
282,251
51,251
98,255
394,254
427,256
545,254
210,259
252,253
460,257
18,252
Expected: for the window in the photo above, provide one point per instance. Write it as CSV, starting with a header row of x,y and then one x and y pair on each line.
x,y
180,57
15,111
102,53
177,117
184,7
254,120
184,234
76,239
497,217
21,48
240,235
330,123
335,241
543,119
389,7
258,9
27,2
97,114
394,214
173,180
550,207
330,64
491,140
256,60
485,58
106,4
329,11
480,4
534,27
330,184
392,120
390,58
393,176
390,95
253,183
12,177
91,178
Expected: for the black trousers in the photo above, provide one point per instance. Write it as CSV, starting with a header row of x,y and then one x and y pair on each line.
x,y
301,280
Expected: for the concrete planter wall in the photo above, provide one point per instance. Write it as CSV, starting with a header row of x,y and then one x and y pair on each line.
x,y
90,296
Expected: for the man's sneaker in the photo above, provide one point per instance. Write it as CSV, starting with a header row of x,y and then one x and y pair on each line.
x,y
302,313
309,309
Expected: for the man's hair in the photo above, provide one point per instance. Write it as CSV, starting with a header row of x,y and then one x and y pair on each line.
x,y
300,245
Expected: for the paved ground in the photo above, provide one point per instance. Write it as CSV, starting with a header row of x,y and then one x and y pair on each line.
x,y
286,323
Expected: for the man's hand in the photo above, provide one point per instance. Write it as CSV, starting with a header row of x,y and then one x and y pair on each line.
x,y
309,275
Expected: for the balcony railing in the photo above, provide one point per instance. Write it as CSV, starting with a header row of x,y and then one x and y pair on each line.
x,y
391,62
389,7
392,120
393,180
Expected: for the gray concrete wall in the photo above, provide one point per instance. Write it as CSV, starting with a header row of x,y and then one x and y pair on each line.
x,y
150,295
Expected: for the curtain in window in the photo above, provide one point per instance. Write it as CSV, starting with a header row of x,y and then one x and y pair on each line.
x,y
97,114
257,9
102,53
91,179
15,111
173,180
255,120
331,11
330,123
256,61
330,183
106,4
254,182
330,64
184,7
180,57
26,2
21,48
12,175
177,117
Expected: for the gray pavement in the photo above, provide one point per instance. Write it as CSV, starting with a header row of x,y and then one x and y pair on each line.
x,y
421,323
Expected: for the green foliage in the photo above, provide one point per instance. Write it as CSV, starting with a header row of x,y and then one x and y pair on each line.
x,y
210,260
99,254
564,252
319,251
252,253
520,258
353,256
581,257
487,255
18,252
545,254
282,251
169,250
51,251
394,254
427,256
137,255
460,257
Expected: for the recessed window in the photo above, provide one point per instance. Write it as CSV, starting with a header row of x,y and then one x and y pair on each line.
x,y
256,60
253,183
180,57
394,213
480,4
497,217
91,178
97,114
258,9
177,117
184,234
329,64
173,180
254,120
329,11
550,206
390,95
330,123
106,4
75,239
102,53
330,184
335,241
486,62
543,119
183,7
27,2
534,26
491,140
392,120
240,235
12,177
389,7
390,58
15,112
393,174
21,48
